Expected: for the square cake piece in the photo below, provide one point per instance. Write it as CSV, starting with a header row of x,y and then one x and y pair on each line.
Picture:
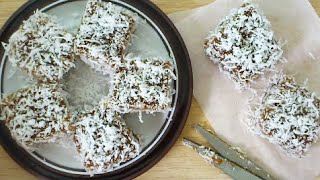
x,y
288,116
42,48
103,140
103,36
243,45
37,114
142,85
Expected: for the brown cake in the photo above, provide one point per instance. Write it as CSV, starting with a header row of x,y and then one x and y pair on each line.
x,y
37,114
243,45
42,48
103,36
104,141
289,116
142,85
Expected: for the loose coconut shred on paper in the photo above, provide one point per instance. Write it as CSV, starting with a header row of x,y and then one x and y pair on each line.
x,y
298,25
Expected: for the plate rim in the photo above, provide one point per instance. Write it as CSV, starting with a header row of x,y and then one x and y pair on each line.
x,y
169,137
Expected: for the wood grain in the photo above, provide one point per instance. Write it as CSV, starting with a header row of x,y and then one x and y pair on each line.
x,y
180,162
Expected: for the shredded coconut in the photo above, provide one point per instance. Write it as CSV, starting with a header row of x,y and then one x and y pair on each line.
x,y
85,87
42,48
312,56
104,141
243,45
142,85
37,114
209,155
104,33
288,116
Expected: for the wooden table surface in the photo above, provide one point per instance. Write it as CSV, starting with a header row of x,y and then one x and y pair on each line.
x,y
180,162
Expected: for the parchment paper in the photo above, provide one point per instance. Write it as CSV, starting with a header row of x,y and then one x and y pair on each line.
x,y
296,23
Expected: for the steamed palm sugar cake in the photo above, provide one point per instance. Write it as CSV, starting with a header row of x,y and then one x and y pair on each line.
x,y
42,48
104,33
243,45
288,116
37,114
142,85
103,140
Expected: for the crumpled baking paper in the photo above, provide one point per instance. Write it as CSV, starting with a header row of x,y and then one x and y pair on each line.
x,y
297,25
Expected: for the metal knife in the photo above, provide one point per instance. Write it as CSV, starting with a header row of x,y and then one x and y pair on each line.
x,y
231,154
218,161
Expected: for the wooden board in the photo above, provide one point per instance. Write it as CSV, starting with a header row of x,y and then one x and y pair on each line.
x,y
180,162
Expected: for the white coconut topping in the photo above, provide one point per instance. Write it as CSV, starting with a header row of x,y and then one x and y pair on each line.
x,y
104,34
42,48
288,116
142,85
104,141
243,45
84,96
37,114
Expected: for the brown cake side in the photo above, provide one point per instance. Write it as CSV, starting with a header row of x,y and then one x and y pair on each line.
x,y
103,140
103,35
38,114
42,48
289,116
142,85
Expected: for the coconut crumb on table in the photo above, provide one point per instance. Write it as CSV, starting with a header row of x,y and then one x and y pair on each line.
x,y
42,48
38,114
289,116
103,140
243,45
142,85
103,35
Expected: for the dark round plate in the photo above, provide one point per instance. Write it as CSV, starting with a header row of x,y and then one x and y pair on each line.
x,y
161,135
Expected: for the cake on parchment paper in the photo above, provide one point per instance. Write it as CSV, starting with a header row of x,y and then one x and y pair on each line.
x,y
288,115
243,45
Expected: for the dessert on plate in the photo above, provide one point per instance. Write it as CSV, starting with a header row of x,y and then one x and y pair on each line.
x,y
42,48
243,45
103,36
37,114
288,116
142,84
40,113
103,140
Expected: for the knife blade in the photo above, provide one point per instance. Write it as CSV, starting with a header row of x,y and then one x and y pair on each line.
x,y
216,160
231,154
